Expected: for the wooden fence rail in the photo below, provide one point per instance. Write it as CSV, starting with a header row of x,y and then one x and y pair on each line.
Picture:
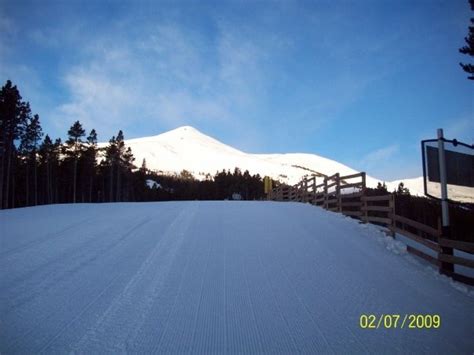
x,y
348,195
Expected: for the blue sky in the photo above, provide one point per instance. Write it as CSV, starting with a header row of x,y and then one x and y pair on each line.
x,y
361,82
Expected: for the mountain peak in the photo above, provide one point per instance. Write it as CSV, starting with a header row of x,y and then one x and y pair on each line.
x,y
185,129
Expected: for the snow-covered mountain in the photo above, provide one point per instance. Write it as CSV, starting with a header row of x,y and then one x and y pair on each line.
x,y
185,148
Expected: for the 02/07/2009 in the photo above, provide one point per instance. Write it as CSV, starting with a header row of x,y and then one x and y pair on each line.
x,y
397,321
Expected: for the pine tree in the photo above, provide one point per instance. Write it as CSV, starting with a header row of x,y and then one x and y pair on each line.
x,y
24,151
246,183
46,154
28,148
119,161
110,162
127,165
119,141
402,190
143,168
90,162
469,49
55,168
13,115
37,133
75,147
382,187
18,161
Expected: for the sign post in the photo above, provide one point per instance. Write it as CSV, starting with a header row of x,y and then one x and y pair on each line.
x,y
445,268
444,183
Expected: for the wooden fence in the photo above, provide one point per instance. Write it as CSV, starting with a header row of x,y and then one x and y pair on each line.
x,y
348,195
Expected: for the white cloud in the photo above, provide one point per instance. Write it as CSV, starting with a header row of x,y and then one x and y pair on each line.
x,y
168,77
380,162
239,67
98,102
391,163
379,156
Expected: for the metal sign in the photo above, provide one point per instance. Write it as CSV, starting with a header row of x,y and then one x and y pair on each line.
x,y
459,167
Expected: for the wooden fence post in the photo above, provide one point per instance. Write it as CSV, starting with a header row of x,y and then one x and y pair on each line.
x,y
313,198
445,268
325,193
365,213
338,192
391,204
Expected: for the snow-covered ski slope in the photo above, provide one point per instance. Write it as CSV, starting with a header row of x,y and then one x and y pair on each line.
x,y
213,277
186,148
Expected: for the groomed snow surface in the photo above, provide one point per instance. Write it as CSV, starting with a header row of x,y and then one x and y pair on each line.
x,y
214,277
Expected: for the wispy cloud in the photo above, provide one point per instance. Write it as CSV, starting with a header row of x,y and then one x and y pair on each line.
x,y
166,77
97,101
380,155
382,163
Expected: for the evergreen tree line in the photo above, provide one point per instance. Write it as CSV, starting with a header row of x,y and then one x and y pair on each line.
x,y
35,169
224,185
